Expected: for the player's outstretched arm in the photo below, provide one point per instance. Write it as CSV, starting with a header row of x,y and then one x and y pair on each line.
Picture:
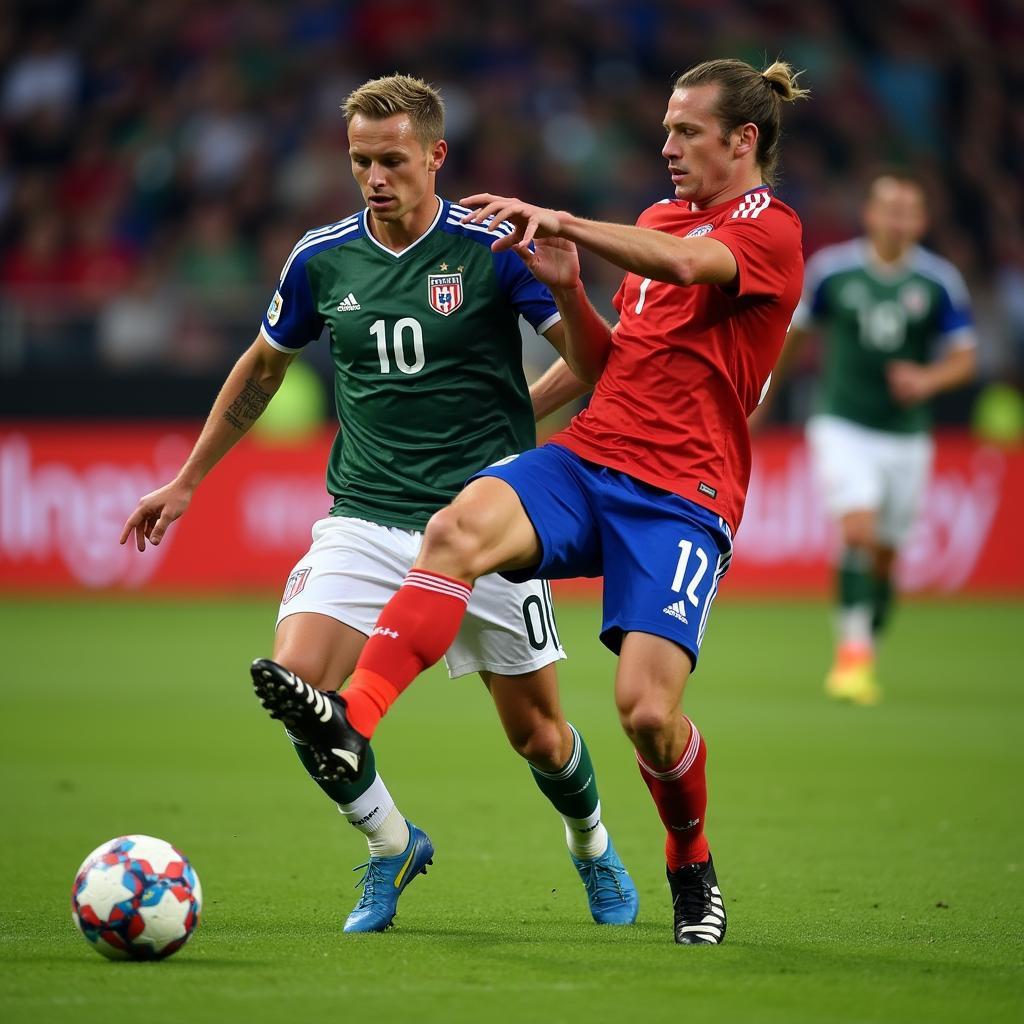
x,y
582,337
654,254
796,341
249,387
911,383
554,388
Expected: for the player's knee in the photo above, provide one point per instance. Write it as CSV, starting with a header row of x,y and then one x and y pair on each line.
x,y
453,538
541,744
644,721
859,532
305,667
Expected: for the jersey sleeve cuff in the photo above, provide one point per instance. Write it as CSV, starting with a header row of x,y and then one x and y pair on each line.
x,y
275,344
546,325
961,337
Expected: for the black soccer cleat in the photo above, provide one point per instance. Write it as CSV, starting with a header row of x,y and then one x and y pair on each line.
x,y
313,717
697,905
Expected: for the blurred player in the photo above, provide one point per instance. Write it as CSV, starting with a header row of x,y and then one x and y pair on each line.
x,y
429,387
647,484
896,324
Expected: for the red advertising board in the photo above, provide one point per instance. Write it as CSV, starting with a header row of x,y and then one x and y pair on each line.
x,y
66,489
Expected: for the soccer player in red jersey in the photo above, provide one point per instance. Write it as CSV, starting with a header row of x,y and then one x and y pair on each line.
x,y
646,486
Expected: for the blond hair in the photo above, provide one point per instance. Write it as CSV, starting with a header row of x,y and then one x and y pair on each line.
x,y
749,96
381,98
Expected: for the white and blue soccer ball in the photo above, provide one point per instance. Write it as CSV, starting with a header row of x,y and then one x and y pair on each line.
x,y
136,898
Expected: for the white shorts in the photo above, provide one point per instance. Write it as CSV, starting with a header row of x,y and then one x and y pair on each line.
x,y
859,468
354,567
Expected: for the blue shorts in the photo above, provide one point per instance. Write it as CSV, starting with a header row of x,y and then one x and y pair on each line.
x,y
661,556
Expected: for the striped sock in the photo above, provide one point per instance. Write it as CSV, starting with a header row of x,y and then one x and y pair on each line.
x,y
572,791
413,631
681,795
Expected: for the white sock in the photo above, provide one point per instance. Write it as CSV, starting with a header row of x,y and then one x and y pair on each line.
x,y
587,838
375,815
854,626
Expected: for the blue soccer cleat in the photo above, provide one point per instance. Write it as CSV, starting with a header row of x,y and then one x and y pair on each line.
x,y
384,881
610,891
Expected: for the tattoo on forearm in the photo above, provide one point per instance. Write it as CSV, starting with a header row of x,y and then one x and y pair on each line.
x,y
246,408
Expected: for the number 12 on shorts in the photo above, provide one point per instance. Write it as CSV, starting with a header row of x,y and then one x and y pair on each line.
x,y
686,551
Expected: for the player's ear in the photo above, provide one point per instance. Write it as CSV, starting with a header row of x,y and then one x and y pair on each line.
x,y
437,154
746,139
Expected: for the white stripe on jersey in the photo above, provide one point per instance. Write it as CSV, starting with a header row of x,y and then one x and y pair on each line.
x,y
931,265
326,229
344,227
457,212
753,205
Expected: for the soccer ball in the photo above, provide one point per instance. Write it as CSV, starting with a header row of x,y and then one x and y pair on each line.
x,y
136,898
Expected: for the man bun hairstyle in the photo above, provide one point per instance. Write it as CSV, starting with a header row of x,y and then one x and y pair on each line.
x,y
381,98
746,95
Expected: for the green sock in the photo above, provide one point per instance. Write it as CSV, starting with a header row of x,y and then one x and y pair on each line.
x,y
572,791
855,584
881,603
339,792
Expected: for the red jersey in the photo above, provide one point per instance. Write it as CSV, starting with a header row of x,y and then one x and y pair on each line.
x,y
688,363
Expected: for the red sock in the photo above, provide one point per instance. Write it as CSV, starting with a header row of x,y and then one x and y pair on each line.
x,y
414,630
681,796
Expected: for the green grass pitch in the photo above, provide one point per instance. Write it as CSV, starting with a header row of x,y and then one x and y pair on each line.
x,y
872,860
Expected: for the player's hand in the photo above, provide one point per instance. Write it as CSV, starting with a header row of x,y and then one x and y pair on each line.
x,y
909,382
155,512
553,261
529,222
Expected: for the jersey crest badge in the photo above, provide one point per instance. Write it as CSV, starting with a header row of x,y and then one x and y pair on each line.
x,y
444,292
915,300
704,229
274,309
295,583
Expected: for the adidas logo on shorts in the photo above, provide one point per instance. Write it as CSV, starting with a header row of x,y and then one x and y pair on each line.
x,y
677,610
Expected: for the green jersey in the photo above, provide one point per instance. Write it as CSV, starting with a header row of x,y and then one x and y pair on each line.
x,y
429,382
869,315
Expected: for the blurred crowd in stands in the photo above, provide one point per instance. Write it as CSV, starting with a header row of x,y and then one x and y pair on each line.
x,y
159,160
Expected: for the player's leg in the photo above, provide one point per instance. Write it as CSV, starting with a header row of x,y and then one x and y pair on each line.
x,y
560,763
851,475
509,635
664,559
349,572
486,528
671,755
907,467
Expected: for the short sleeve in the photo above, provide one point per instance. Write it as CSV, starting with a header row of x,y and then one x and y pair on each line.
x,y
291,321
765,242
811,306
955,321
530,299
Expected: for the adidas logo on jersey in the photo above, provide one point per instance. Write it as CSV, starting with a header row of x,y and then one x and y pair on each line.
x,y
677,610
348,304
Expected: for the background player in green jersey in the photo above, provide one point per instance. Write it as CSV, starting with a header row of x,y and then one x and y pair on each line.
x,y
423,322
896,325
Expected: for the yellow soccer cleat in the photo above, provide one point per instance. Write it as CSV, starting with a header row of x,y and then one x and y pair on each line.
x,y
852,678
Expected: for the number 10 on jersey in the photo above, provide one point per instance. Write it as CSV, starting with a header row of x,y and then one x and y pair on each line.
x,y
406,338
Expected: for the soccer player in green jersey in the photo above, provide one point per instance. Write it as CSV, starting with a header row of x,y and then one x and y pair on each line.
x,y
896,324
423,320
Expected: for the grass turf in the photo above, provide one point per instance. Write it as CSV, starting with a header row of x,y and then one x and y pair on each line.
x,y
870,860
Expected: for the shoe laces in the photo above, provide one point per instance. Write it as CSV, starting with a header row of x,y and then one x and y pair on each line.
x,y
692,895
371,875
598,877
